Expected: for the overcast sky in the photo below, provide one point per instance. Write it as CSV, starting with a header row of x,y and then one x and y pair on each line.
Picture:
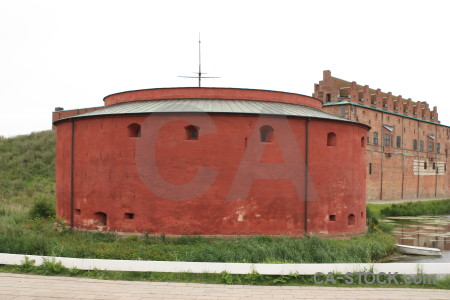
x,y
73,53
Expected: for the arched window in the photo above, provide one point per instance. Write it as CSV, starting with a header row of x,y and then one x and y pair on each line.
x,y
191,132
100,218
266,133
328,97
134,130
363,142
331,139
351,219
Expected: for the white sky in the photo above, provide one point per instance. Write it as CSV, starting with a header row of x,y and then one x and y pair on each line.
x,y
73,53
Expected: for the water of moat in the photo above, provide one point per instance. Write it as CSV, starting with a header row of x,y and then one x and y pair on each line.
x,y
423,231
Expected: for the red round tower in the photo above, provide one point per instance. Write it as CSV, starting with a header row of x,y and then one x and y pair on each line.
x,y
212,161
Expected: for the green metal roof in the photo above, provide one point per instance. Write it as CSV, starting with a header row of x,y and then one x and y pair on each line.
x,y
212,106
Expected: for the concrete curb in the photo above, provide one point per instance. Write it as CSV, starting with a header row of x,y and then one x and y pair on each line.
x,y
231,268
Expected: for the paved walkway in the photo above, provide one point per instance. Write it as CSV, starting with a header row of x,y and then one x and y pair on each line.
x,y
27,287
402,200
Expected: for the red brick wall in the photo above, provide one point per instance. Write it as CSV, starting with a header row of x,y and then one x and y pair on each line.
x,y
108,176
58,115
393,177
392,168
63,169
332,89
212,93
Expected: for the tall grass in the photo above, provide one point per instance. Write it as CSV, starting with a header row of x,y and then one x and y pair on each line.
x,y
438,207
27,193
47,237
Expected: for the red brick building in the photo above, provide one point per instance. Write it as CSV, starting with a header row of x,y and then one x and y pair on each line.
x,y
407,147
213,161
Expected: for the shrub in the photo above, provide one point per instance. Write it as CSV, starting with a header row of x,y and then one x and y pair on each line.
x,y
51,267
42,209
371,220
27,265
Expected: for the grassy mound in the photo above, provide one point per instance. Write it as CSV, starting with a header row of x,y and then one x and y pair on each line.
x,y
27,172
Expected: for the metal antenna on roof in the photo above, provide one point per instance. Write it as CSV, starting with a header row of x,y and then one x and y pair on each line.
x,y
199,61
199,74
